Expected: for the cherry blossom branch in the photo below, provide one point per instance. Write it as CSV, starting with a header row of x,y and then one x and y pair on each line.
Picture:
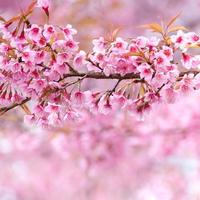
x,y
101,75
96,75
37,61
195,72
6,109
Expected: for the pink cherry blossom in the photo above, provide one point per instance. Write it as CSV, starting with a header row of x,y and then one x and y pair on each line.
x,y
44,4
145,71
119,45
69,31
49,32
62,58
79,59
187,61
99,44
34,32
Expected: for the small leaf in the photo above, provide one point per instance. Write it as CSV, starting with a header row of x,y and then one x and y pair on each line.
x,y
17,27
3,40
173,20
13,19
142,91
168,40
24,15
30,9
111,36
11,54
115,33
193,46
155,27
133,54
26,109
2,19
177,28
32,5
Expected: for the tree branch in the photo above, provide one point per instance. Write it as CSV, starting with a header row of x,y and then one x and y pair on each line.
x,y
94,75
100,75
5,109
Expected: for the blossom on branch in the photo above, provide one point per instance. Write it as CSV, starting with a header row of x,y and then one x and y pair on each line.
x,y
44,63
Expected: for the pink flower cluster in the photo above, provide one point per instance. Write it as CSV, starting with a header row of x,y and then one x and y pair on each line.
x,y
43,63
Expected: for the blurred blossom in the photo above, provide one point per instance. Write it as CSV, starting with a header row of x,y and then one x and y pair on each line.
x,y
96,18
117,153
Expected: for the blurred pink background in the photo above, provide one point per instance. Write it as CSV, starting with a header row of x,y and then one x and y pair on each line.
x,y
95,18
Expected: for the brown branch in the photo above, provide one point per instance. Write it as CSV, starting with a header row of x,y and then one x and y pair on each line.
x,y
114,88
100,75
71,68
72,83
94,75
189,72
6,109
96,65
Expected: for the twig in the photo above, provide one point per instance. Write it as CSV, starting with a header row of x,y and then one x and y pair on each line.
x,y
113,90
6,109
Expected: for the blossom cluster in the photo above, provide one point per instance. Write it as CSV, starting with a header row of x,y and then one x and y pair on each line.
x,y
44,63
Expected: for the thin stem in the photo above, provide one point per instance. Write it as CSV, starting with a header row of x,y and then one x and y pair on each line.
x,y
115,87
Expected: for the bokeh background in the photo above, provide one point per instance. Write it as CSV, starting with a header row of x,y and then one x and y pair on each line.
x,y
131,159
